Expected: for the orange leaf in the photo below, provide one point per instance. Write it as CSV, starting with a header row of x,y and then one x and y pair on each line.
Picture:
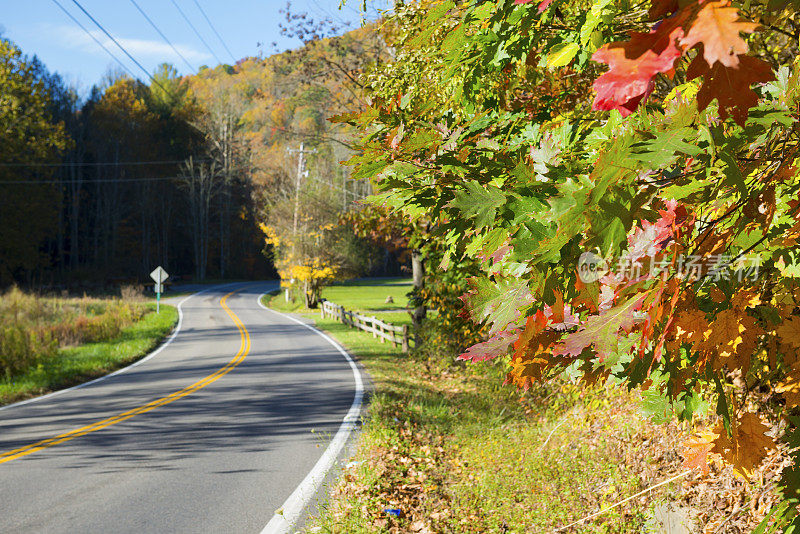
x,y
695,454
745,299
789,332
789,387
717,27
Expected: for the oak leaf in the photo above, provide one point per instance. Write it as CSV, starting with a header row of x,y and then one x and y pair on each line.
x,y
717,26
696,450
525,371
534,326
747,446
789,332
789,387
746,298
691,326
730,86
733,335
495,346
601,331
633,65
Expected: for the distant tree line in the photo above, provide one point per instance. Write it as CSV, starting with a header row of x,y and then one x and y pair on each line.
x,y
132,177
181,172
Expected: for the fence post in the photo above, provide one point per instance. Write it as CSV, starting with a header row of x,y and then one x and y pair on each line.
x,y
374,334
383,339
322,309
405,339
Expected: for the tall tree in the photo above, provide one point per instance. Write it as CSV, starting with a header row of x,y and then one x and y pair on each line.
x,y
31,139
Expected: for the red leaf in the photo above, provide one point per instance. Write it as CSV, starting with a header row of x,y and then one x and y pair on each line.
x,y
542,6
492,348
662,8
730,86
633,64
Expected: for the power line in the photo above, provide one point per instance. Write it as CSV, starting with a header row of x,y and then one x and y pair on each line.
x,y
95,39
153,24
197,33
122,48
88,182
213,29
92,164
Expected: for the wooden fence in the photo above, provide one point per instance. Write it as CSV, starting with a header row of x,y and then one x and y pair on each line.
x,y
396,335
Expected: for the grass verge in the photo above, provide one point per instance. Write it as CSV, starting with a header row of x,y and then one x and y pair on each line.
x,y
74,365
452,450
448,449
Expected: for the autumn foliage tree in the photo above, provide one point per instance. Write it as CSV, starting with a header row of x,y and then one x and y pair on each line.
x,y
29,133
626,177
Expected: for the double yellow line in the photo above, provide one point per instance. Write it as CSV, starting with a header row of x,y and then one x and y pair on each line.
x,y
152,405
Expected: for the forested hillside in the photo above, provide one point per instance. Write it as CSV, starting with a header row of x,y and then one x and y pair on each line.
x,y
177,172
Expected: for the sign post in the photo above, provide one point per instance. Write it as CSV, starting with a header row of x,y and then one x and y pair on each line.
x,y
159,276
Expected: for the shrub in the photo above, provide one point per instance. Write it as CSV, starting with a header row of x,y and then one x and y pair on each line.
x,y
21,348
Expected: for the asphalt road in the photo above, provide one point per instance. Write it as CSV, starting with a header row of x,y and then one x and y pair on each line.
x,y
210,435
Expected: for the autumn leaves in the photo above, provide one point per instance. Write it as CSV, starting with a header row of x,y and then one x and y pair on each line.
x,y
712,29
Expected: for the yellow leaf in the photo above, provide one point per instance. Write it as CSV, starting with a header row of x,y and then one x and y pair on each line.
x,y
789,332
747,446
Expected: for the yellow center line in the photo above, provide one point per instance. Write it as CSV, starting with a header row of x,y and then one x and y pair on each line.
x,y
152,405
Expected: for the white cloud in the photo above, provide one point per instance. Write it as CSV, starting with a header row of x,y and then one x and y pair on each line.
x,y
142,50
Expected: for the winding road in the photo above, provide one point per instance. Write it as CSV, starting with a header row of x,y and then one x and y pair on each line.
x,y
213,433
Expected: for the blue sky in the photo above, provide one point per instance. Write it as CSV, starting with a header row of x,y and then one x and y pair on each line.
x,y
40,27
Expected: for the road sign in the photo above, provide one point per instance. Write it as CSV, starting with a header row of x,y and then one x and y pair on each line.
x,y
159,275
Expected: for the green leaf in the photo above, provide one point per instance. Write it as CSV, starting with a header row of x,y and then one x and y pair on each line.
x,y
479,202
503,307
561,54
733,176
593,18
664,150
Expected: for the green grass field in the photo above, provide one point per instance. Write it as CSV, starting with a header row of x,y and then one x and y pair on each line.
x,y
73,365
365,296
453,450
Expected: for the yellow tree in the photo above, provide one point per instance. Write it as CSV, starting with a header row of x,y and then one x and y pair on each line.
x,y
318,250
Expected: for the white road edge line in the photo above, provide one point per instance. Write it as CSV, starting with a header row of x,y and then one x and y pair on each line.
x,y
289,513
124,369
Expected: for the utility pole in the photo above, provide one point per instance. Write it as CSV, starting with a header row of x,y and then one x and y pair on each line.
x,y
301,161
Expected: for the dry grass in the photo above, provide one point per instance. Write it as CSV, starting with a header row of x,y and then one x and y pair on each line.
x,y
34,327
